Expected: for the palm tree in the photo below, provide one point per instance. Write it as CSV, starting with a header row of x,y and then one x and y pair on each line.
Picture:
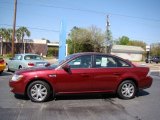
x,y
21,33
9,35
3,34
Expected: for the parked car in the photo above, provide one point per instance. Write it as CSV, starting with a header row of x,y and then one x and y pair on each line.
x,y
2,65
82,73
155,59
21,61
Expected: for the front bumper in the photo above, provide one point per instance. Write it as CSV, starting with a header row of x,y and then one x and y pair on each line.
x,y
17,87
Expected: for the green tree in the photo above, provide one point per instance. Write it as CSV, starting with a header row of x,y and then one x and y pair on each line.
x,y
155,49
5,34
97,38
9,32
2,37
79,40
21,33
124,40
137,43
85,40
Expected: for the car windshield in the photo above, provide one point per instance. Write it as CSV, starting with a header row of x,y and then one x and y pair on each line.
x,y
33,57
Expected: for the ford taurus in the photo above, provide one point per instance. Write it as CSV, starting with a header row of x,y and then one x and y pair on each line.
x,y
82,73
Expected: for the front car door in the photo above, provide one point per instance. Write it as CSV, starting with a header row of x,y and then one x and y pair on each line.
x,y
79,78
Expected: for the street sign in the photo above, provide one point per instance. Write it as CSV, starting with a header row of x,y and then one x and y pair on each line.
x,y
147,47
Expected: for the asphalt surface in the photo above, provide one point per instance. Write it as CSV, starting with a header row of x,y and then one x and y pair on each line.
x,y
145,106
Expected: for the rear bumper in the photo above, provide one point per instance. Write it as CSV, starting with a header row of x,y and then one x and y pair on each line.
x,y
146,82
2,67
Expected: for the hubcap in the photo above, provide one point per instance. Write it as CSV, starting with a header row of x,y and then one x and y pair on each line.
x,y
127,90
38,92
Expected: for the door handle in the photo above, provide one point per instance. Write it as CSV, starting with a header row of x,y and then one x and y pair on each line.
x,y
84,75
117,73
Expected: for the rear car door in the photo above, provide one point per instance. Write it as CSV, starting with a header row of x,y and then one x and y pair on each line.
x,y
79,78
14,63
107,72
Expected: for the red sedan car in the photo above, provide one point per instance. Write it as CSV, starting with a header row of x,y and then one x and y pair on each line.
x,y
82,73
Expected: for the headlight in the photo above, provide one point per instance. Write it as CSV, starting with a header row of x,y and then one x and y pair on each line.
x,y
16,77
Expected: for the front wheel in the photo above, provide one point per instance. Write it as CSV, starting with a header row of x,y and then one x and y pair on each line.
x,y
7,68
127,89
38,91
1,71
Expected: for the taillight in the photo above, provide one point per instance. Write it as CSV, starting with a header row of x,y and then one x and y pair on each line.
x,y
31,64
2,61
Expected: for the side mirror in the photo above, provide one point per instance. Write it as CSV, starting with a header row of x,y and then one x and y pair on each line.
x,y
67,68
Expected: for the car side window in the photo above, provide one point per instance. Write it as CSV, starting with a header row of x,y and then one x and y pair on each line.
x,y
81,62
17,57
104,61
121,63
32,57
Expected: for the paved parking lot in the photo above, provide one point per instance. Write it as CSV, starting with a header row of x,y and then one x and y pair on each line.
x,y
146,106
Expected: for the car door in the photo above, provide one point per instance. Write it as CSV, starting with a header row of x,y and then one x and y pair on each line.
x,y
14,63
78,79
106,73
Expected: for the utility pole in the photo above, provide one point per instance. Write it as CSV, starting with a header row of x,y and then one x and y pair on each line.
x,y
14,26
107,43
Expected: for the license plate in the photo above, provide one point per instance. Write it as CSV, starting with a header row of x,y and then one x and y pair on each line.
x,y
40,64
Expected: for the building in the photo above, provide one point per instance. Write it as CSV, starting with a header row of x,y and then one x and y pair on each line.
x,y
132,53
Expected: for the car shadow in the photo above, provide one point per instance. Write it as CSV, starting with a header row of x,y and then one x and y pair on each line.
x,y
84,96
21,97
142,93
105,96
6,73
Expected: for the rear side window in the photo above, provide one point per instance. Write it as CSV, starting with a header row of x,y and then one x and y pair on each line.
x,y
32,57
121,63
102,61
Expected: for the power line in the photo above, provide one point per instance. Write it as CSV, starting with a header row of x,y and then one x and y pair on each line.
x,y
49,30
87,10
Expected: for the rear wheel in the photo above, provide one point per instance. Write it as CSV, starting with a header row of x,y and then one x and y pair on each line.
x,y
127,89
39,91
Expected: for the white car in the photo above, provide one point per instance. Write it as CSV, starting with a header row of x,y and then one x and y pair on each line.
x,y
20,61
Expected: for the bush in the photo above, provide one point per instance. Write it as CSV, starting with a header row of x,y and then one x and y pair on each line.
x,y
52,52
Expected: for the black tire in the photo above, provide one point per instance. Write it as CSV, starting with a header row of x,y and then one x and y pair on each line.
x,y
127,90
20,67
1,72
7,68
35,90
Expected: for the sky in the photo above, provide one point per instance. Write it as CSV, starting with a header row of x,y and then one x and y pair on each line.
x,y
136,19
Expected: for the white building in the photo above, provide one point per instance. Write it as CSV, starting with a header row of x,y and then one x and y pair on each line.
x,y
132,53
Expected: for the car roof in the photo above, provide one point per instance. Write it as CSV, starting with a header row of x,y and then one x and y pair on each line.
x,y
92,53
96,53
23,54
